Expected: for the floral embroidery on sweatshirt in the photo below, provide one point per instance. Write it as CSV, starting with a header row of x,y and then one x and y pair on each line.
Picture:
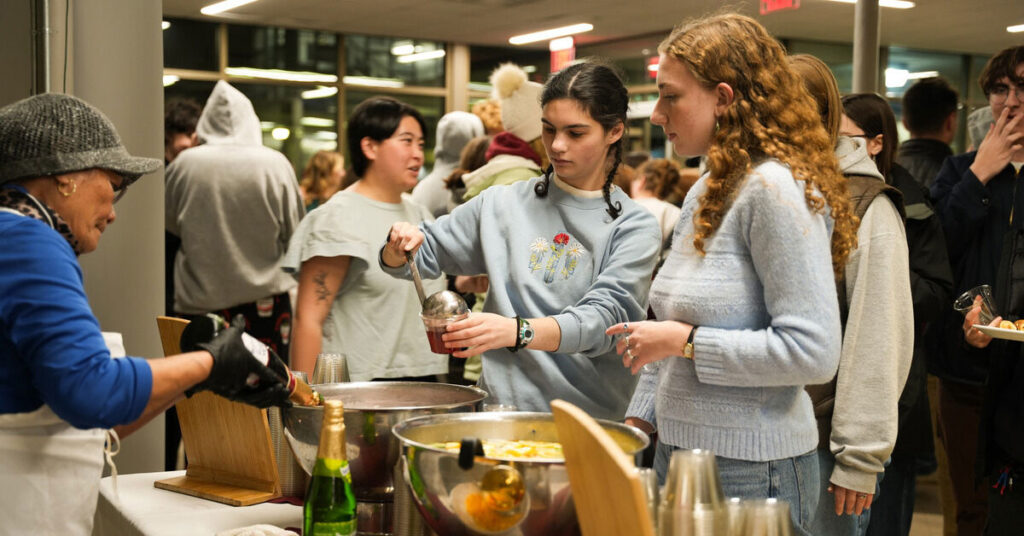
x,y
558,257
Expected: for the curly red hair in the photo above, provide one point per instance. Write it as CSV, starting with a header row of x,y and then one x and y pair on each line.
x,y
771,116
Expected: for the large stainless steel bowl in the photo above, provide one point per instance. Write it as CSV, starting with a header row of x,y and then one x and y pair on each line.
x,y
441,488
371,410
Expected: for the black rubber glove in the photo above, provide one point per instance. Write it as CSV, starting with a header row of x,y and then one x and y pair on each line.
x,y
238,374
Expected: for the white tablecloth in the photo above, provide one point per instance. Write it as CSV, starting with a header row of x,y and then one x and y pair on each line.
x,y
144,510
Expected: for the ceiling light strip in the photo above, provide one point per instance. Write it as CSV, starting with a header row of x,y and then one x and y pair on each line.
x,y
1015,29
220,7
277,74
421,56
547,35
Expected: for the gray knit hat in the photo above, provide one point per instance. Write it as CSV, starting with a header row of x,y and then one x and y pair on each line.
x,y
53,133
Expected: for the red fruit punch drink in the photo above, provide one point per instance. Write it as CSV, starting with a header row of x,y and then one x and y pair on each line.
x,y
436,327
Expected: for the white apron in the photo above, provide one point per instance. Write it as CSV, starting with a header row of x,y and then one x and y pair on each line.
x,y
49,474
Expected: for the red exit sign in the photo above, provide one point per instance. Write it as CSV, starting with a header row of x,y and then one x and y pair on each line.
x,y
768,6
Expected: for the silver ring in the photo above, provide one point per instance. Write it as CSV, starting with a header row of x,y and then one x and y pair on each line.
x,y
625,328
629,354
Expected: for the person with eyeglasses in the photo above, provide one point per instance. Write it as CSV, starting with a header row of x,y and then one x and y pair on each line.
x,y
62,168
977,196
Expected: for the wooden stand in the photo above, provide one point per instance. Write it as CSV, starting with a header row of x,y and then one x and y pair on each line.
x,y
606,489
228,444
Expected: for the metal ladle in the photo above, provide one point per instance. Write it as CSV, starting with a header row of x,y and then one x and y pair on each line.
x,y
416,278
504,488
442,304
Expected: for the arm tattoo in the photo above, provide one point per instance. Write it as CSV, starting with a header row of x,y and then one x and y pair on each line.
x,y
320,279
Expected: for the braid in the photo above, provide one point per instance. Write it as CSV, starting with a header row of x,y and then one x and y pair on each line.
x,y
541,188
613,209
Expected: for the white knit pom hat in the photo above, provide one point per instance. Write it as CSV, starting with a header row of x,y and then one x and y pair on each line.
x,y
520,101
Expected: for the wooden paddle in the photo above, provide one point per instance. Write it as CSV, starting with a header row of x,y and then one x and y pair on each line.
x,y
608,493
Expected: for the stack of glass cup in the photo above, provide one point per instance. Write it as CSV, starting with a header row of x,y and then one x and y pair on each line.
x,y
692,503
330,368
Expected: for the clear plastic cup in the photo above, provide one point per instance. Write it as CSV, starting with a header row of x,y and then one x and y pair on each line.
x,y
330,368
767,517
436,327
965,302
692,501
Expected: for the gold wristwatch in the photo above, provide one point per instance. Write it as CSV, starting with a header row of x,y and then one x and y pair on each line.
x,y
688,348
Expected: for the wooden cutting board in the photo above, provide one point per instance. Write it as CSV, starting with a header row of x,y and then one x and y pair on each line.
x,y
606,489
228,444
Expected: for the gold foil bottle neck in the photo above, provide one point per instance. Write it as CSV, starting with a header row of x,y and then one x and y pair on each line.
x,y
334,413
332,431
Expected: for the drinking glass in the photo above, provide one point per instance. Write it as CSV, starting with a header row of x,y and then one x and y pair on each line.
x,y
965,302
692,502
330,368
767,517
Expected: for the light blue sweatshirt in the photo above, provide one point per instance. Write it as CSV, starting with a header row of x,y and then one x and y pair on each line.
x,y
764,299
560,256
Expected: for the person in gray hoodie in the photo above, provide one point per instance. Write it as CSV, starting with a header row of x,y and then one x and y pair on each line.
x,y
454,131
857,410
234,203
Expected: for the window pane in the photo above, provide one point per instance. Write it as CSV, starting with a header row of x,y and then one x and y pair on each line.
x,y
190,44
432,108
644,136
292,124
279,48
838,57
382,57
484,60
195,90
631,56
975,96
907,66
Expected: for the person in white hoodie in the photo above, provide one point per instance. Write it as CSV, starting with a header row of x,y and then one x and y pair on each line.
x,y
454,131
234,203
857,410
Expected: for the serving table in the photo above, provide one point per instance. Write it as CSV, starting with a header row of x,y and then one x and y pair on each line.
x,y
144,510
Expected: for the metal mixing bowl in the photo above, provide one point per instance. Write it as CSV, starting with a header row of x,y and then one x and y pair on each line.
x,y
440,487
371,410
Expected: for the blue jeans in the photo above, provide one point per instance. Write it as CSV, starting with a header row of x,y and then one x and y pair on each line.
x,y
794,480
826,522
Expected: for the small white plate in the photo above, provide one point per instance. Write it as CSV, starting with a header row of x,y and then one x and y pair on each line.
x,y
1000,333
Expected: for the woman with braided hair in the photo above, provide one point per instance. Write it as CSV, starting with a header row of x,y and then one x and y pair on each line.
x,y
566,253
746,300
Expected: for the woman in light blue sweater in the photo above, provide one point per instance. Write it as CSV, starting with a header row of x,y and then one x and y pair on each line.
x,y
746,298
566,253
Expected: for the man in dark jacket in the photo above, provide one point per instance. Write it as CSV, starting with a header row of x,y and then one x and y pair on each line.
x,y
976,196
929,113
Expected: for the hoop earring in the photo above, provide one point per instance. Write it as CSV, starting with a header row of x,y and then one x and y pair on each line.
x,y
74,188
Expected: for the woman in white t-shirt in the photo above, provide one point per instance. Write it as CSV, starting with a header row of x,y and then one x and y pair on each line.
x,y
346,303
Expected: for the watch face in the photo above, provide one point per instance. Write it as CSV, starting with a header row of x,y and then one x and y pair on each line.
x,y
528,332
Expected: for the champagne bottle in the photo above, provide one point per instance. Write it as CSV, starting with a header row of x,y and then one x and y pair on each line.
x,y
330,507
204,329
